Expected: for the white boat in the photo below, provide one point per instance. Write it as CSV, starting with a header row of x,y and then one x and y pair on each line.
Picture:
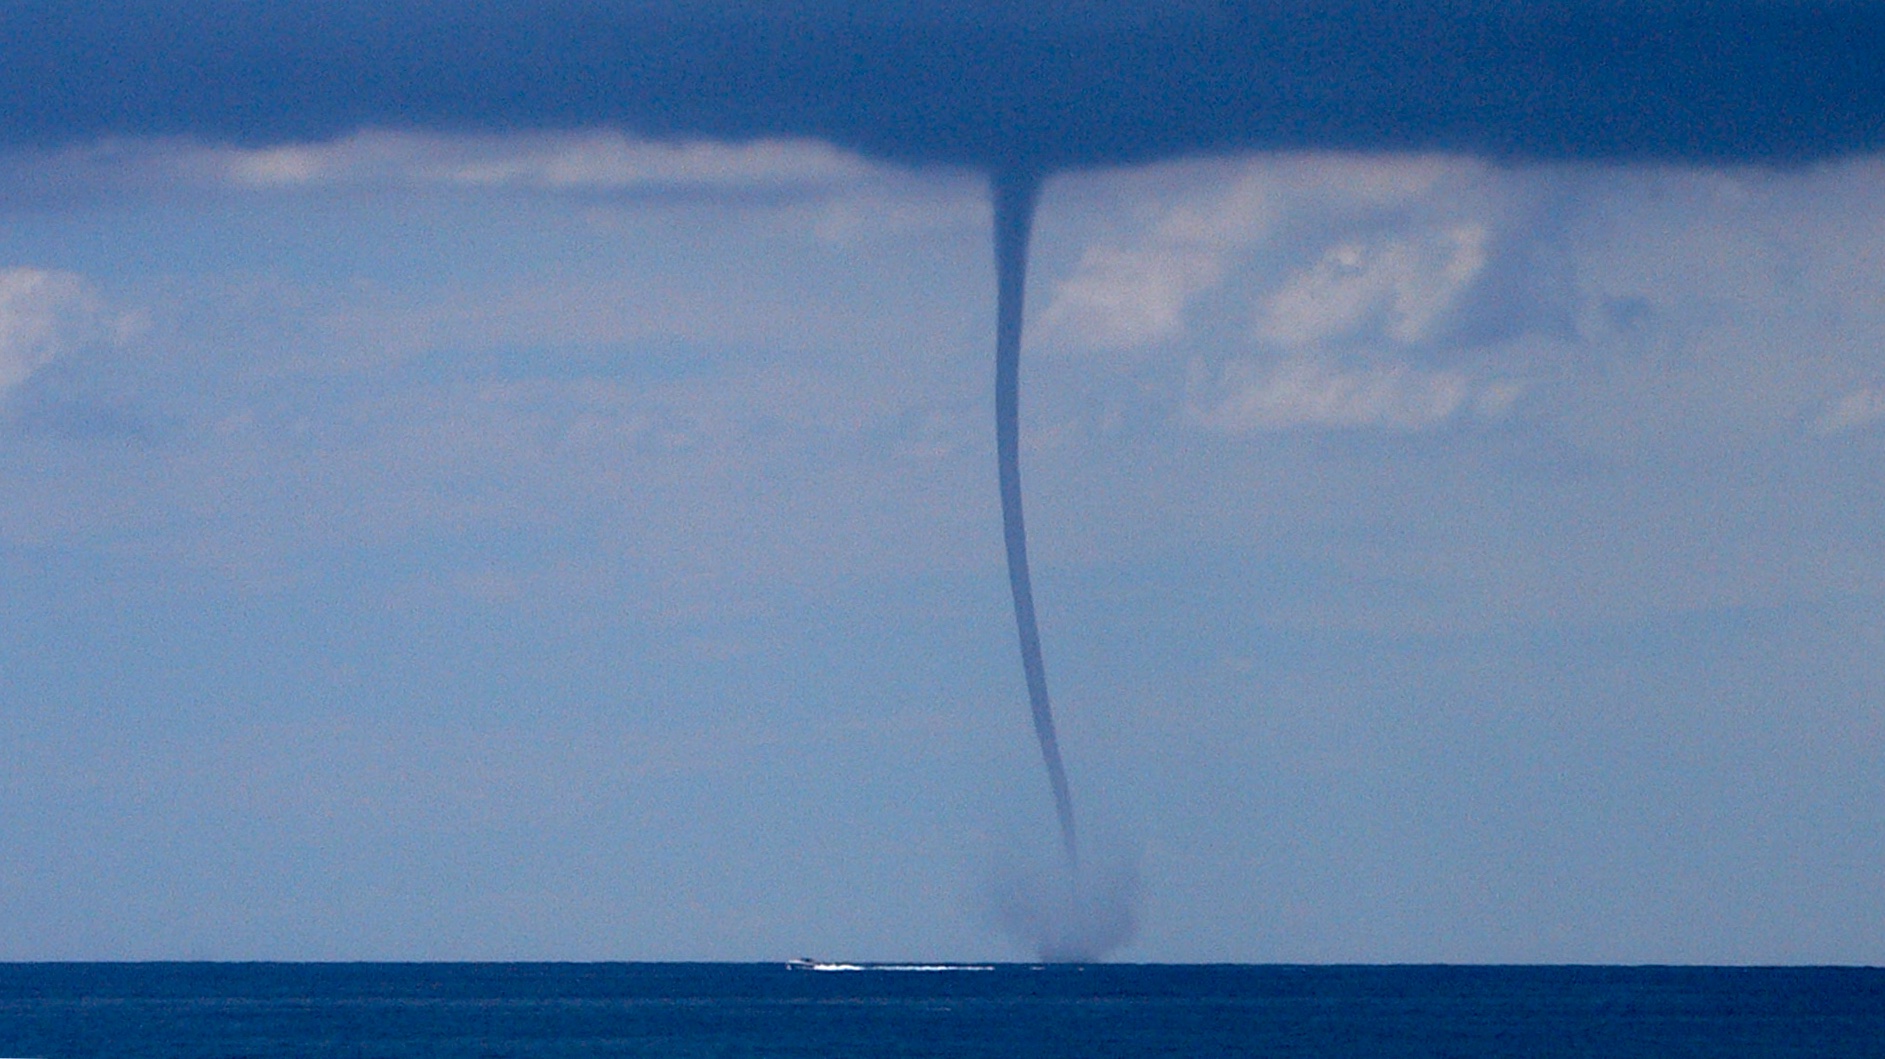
x,y
806,963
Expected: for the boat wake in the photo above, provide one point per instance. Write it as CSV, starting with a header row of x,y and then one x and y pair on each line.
x,y
809,964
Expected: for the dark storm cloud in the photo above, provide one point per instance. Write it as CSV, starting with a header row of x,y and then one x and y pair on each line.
x,y
1049,86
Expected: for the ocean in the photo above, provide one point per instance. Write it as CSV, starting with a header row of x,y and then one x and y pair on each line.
x,y
553,1010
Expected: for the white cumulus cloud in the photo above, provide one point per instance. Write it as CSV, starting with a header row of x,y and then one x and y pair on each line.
x,y
1401,286
1135,294
1300,391
1396,239
43,314
541,161
587,161
1860,408
604,161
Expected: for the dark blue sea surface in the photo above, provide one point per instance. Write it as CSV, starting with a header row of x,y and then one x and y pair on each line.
x,y
219,1010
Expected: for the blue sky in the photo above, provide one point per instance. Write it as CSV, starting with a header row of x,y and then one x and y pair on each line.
x,y
565,545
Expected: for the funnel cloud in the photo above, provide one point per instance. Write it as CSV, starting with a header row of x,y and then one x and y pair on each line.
x,y
1015,194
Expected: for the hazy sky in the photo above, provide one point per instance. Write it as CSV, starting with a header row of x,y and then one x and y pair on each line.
x,y
562,544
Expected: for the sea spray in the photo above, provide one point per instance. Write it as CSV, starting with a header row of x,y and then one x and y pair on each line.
x,y
1061,911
